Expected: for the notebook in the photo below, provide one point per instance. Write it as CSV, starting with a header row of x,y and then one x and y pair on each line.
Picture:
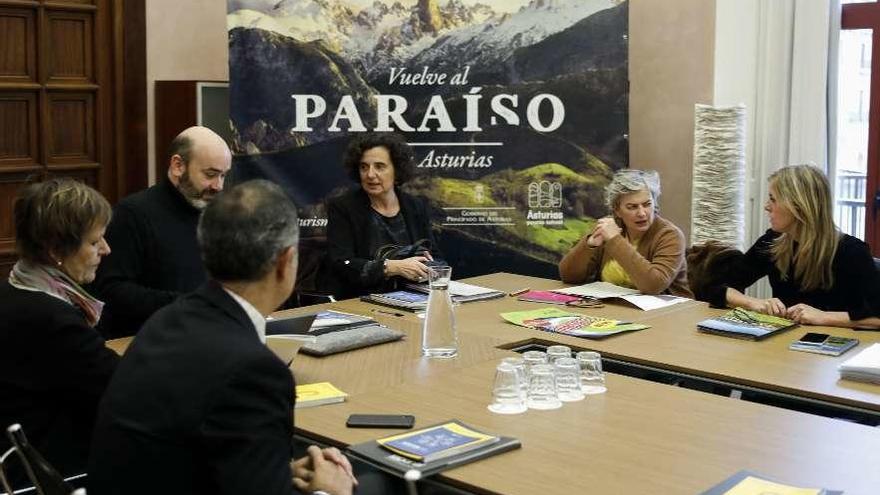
x,y
460,291
744,324
748,483
400,299
548,297
431,450
318,394
331,332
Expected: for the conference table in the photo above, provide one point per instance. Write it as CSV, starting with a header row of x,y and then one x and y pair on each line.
x,y
640,436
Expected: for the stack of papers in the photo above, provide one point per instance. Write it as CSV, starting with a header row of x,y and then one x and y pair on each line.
x,y
598,290
462,292
605,290
864,366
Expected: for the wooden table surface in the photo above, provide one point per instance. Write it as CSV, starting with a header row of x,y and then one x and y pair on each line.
x,y
639,437
673,343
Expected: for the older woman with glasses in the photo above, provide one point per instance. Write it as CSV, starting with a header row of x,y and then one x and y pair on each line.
x,y
634,247
53,363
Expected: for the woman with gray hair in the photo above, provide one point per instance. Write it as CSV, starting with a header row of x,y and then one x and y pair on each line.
x,y
634,247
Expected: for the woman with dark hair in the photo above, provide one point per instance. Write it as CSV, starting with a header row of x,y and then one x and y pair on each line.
x,y
367,220
53,363
819,275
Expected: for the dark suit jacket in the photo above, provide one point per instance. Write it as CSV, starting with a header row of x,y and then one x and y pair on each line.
x,y
53,369
198,406
352,242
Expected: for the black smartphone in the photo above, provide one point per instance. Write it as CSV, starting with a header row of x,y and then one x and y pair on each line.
x,y
380,421
813,338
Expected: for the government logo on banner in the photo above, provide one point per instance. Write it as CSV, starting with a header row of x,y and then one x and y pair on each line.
x,y
516,111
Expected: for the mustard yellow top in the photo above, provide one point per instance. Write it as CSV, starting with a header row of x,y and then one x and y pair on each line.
x,y
613,273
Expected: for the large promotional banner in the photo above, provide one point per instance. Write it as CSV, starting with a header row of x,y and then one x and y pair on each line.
x,y
516,110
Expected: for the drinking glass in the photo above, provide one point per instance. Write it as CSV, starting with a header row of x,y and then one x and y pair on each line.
x,y
507,395
519,365
555,352
592,377
542,388
568,379
532,358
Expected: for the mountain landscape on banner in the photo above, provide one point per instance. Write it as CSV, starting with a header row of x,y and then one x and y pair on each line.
x,y
573,49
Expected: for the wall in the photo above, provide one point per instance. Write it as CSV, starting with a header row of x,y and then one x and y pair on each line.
x,y
671,59
671,69
186,40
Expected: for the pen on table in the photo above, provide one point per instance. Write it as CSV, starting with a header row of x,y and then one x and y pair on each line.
x,y
518,292
392,313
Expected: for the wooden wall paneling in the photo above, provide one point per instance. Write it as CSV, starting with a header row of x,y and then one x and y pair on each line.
x,y
175,110
10,183
18,130
18,52
130,107
70,129
70,39
67,71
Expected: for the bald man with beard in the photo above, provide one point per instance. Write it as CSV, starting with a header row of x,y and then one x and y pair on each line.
x,y
155,255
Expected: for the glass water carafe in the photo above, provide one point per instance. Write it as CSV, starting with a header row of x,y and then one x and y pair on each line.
x,y
439,338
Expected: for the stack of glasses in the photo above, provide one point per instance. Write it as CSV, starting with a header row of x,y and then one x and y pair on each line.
x,y
544,380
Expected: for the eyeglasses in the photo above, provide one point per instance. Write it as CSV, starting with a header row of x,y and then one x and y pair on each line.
x,y
586,302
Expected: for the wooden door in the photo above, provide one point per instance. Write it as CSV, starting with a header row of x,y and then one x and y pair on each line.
x,y
63,90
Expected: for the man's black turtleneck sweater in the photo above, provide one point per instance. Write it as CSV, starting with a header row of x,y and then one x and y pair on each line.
x,y
154,258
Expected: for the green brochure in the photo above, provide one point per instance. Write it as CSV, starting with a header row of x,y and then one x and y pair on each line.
x,y
577,325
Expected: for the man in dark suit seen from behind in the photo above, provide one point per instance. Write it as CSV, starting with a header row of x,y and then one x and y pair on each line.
x,y
155,255
199,404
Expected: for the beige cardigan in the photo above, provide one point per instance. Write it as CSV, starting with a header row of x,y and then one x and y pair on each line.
x,y
658,265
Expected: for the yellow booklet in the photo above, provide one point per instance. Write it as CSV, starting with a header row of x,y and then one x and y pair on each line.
x,y
318,394
436,442
756,486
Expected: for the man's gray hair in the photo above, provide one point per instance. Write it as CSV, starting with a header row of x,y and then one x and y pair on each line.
x,y
244,229
630,180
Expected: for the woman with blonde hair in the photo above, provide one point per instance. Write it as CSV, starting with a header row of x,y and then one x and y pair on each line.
x,y
819,276
634,247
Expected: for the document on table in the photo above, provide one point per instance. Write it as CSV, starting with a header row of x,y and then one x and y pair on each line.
x,y
605,290
599,290
647,303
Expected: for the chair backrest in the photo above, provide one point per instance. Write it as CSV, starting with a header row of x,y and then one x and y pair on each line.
x,y
709,265
45,478
877,263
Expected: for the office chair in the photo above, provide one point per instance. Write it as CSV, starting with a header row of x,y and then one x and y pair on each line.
x,y
44,477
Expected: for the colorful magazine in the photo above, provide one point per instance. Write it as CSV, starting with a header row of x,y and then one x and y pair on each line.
x,y
564,322
744,324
